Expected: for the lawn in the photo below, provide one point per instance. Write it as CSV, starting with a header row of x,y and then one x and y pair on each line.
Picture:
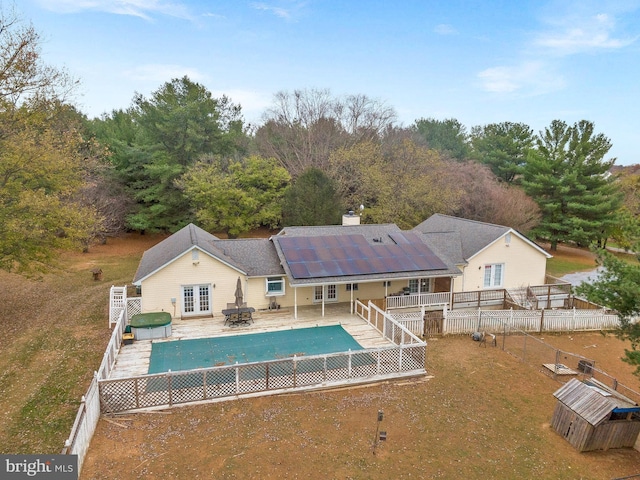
x,y
482,415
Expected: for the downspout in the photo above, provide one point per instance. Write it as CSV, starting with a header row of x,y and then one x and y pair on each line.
x,y
295,302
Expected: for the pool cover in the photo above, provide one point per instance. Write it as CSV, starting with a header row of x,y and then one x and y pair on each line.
x,y
210,352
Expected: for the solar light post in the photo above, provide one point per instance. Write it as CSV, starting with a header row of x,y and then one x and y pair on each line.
x,y
380,435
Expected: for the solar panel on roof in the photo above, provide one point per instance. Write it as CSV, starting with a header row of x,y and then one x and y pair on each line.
x,y
345,255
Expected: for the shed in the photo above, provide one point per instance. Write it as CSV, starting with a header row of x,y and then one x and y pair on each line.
x,y
592,416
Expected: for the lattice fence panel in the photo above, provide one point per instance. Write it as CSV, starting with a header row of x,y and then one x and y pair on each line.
x,y
153,390
252,378
187,387
221,382
338,367
134,306
389,362
309,371
280,375
363,364
118,396
413,358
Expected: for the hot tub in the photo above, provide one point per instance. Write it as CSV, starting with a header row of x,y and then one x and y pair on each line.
x,y
147,326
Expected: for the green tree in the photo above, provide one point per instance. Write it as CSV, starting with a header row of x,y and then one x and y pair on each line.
x,y
312,200
617,287
449,136
503,147
41,157
238,196
159,138
568,177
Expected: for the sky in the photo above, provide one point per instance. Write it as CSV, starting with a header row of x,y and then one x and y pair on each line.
x,y
477,61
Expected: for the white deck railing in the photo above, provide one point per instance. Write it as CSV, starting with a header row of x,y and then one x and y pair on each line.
x,y
418,300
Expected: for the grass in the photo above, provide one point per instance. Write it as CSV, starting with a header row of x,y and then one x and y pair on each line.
x,y
481,416
55,330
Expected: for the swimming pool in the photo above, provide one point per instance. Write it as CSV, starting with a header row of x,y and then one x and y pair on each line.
x,y
218,351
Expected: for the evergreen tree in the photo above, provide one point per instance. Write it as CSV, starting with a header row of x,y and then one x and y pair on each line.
x,y
617,287
503,147
449,136
569,180
159,138
312,200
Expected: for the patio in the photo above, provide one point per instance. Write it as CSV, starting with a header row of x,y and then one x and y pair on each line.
x,y
133,359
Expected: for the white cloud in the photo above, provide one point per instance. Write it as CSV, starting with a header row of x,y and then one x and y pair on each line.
x,y
445,29
528,78
573,34
277,11
137,8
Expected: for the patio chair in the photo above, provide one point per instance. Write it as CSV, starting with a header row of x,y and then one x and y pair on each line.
x,y
246,317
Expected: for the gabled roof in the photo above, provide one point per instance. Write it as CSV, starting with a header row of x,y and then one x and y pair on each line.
x,y
252,257
592,400
475,236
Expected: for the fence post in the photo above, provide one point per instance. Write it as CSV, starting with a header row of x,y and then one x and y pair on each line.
x,y
445,313
349,365
541,320
295,365
169,389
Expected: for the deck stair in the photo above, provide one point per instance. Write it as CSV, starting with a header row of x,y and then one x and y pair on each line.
x,y
522,296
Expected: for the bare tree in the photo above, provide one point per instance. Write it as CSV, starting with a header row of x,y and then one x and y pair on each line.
x,y
487,200
303,127
23,76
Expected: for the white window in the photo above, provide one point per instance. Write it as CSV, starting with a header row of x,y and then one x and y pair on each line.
x,y
196,299
493,275
420,285
330,293
352,287
275,286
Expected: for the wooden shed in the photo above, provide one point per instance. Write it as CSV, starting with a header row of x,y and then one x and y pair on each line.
x,y
591,416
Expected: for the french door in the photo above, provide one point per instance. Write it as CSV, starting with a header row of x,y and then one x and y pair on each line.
x,y
330,293
196,299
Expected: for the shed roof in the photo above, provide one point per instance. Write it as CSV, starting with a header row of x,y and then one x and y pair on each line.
x,y
592,400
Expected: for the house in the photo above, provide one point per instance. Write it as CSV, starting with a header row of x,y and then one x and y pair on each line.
x,y
489,256
194,273
592,416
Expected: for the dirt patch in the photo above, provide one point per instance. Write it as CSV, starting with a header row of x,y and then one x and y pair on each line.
x,y
483,414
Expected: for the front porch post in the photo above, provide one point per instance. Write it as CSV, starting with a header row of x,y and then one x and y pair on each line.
x,y
323,289
351,303
295,302
451,293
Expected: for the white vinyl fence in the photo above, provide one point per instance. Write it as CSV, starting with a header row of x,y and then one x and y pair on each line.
x,y
469,321
120,310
